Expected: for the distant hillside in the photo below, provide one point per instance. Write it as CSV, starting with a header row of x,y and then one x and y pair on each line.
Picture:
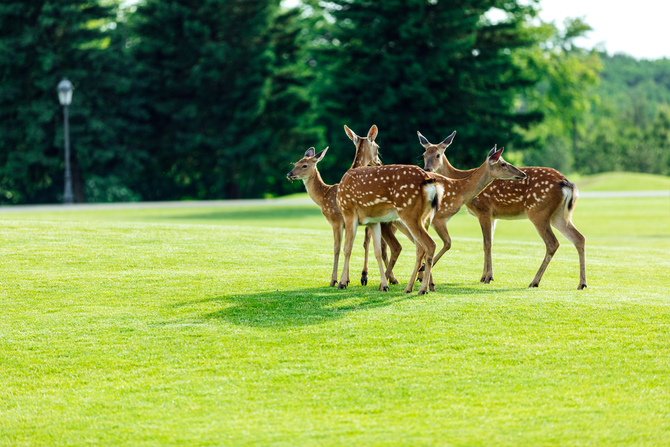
x,y
636,87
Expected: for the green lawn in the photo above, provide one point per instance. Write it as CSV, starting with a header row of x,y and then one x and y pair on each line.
x,y
214,326
622,181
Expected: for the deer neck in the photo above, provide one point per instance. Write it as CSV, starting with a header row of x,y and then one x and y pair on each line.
x,y
470,187
316,188
447,170
359,159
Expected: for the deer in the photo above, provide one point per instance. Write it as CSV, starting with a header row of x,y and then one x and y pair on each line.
x,y
325,195
387,229
545,197
375,194
458,192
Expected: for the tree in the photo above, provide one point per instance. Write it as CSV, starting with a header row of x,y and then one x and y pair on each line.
x,y
221,106
423,65
41,42
565,92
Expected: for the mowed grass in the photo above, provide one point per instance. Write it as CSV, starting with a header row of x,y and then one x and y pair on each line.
x,y
215,326
622,181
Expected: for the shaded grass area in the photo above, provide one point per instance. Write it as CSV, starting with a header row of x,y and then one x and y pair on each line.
x,y
205,327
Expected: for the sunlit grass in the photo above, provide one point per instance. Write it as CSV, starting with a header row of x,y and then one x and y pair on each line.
x,y
214,326
623,181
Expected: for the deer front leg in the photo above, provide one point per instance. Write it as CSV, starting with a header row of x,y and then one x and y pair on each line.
x,y
337,236
366,246
485,222
377,241
350,225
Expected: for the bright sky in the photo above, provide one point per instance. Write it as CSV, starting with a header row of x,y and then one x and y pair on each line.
x,y
638,28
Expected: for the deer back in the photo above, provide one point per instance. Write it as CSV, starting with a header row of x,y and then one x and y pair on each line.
x,y
387,193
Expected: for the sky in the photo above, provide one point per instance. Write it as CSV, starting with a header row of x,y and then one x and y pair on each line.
x,y
638,28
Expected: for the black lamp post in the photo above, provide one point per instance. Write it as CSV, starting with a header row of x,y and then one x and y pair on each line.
x,y
65,98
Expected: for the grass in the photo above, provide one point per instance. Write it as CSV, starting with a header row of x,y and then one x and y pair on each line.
x,y
214,326
623,181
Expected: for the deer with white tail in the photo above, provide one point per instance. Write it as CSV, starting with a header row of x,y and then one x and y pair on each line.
x,y
372,195
545,197
458,192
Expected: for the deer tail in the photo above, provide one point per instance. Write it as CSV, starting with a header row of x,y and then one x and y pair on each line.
x,y
571,194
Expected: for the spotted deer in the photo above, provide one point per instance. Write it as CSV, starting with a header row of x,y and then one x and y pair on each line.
x,y
372,195
325,195
457,192
545,197
387,229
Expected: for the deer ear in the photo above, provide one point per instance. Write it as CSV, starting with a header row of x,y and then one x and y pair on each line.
x,y
422,140
495,154
309,153
447,141
372,133
350,133
318,157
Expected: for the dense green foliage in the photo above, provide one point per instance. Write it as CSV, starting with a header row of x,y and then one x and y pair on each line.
x,y
184,99
222,95
630,128
151,327
41,42
418,65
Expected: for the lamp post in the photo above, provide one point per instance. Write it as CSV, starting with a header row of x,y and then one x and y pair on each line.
x,y
65,98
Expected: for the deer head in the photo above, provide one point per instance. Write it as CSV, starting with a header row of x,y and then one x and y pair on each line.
x,y
432,157
498,168
306,166
367,151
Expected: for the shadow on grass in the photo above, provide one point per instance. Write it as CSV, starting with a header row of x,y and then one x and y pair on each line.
x,y
303,307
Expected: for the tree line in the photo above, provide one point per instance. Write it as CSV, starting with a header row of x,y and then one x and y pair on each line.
x,y
212,99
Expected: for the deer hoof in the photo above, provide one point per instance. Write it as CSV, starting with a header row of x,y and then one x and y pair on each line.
x,y
432,287
422,292
333,283
341,286
533,284
393,280
383,288
486,279
364,280
581,287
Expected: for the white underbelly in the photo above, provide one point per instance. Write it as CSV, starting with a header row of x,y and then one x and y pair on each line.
x,y
390,216
520,216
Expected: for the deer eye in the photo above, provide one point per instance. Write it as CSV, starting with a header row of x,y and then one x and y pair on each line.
x,y
503,164
304,166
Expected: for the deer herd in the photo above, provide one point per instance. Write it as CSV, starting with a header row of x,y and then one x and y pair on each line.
x,y
410,199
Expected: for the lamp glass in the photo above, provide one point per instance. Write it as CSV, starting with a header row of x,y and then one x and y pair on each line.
x,y
65,92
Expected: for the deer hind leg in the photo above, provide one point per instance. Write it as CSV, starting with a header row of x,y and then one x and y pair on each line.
x,y
337,236
366,247
350,226
419,259
377,241
567,228
544,230
388,234
487,225
428,246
